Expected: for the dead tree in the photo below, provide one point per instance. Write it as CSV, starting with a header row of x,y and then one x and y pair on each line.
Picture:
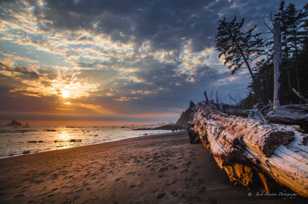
x,y
277,63
246,149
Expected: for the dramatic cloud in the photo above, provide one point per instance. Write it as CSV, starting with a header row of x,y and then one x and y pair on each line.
x,y
112,58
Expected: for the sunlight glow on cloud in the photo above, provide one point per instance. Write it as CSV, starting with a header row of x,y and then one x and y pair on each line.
x,y
192,62
33,83
75,107
68,87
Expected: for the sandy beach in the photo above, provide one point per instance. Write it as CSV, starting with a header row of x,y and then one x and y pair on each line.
x,y
152,169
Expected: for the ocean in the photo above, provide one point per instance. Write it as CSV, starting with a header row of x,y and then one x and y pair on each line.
x,y
21,141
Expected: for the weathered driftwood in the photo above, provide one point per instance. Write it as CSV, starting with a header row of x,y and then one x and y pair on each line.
x,y
245,148
291,115
300,96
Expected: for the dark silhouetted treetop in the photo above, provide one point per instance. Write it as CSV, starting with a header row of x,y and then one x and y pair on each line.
x,y
238,46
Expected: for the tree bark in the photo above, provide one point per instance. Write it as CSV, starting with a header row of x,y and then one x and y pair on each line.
x,y
277,62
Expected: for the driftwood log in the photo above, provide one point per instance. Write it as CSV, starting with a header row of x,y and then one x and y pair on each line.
x,y
245,149
291,115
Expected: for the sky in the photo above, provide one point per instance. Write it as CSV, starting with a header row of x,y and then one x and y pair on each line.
x,y
116,61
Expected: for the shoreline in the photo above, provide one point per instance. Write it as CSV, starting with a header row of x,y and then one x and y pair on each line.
x,y
116,140
150,169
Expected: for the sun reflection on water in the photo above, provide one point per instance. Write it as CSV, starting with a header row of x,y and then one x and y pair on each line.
x,y
63,135
63,139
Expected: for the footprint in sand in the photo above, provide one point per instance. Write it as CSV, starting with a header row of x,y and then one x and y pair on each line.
x,y
54,176
69,177
188,163
19,195
132,186
171,182
54,189
160,195
131,173
184,171
199,181
162,169
174,193
118,179
79,189
50,195
202,189
174,167
76,197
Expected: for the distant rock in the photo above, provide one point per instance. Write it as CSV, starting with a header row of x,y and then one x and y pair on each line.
x,y
169,127
14,123
56,141
172,127
50,130
75,140
71,140
35,141
17,124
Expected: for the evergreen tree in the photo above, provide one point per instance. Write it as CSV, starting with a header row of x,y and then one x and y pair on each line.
x,y
238,47
294,31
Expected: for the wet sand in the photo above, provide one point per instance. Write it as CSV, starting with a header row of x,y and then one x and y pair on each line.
x,y
151,169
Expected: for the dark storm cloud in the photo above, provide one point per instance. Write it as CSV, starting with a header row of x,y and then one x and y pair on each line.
x,y
165,23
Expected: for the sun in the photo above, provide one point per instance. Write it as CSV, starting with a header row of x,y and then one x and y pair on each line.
x,y
65,93
71,87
